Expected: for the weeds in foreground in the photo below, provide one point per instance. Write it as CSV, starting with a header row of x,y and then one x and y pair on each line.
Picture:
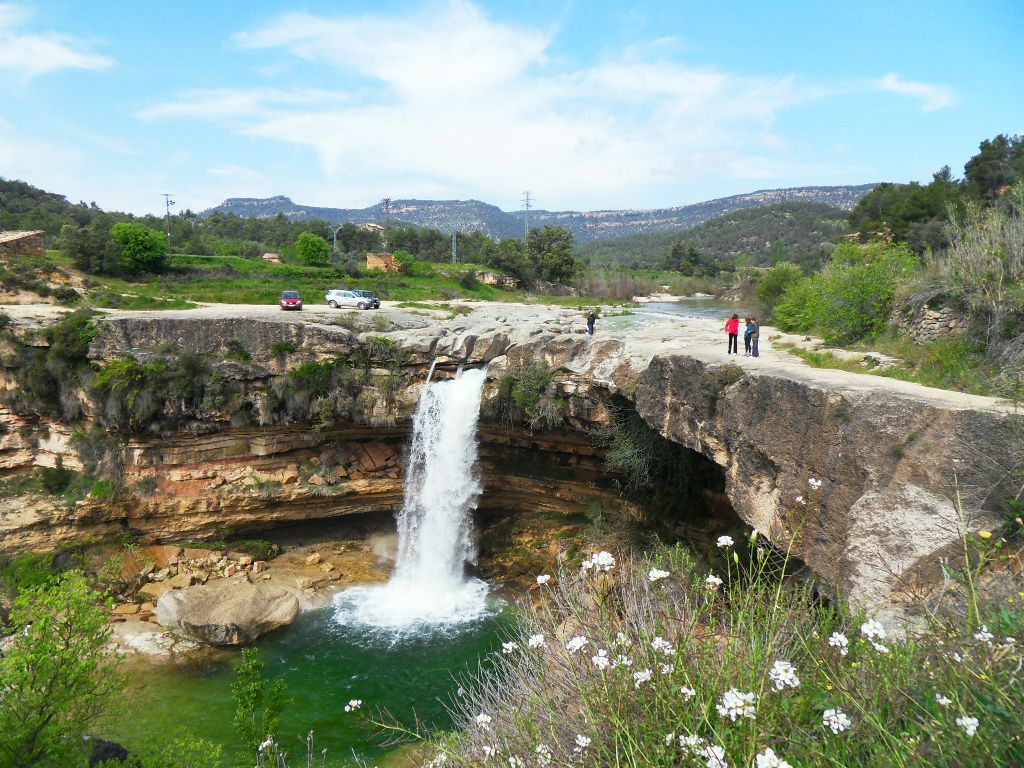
x,y
660,663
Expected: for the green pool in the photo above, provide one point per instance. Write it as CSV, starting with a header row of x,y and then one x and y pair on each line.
x,y
325,664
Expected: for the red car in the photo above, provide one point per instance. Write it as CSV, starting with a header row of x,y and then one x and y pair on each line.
x,y
290,300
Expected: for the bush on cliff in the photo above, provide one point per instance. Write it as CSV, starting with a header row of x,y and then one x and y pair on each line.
x,y
658,662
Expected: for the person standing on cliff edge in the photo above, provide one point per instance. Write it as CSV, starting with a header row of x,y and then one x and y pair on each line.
x,y
732,327
755,333
591,318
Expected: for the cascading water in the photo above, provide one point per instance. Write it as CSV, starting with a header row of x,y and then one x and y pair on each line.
x,y
435,536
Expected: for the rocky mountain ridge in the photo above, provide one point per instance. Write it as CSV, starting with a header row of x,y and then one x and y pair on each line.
x,y
474,215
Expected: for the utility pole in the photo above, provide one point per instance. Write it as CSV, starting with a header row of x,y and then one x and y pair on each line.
x,y
387,210
336,230
455,252
167,217
527,201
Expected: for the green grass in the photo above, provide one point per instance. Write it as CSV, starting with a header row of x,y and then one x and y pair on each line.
x,y
951,363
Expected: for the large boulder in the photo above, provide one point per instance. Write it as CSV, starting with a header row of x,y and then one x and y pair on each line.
x,y
227,612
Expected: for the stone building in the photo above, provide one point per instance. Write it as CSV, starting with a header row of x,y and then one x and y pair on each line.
x,y
385,262
22,243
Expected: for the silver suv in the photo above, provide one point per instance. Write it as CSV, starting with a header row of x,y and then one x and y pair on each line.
x,y
338,298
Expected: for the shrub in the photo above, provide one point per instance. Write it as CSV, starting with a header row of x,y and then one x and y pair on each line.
x,y
58,675
142,249
852,297
468,280
313,250
775,281
236,351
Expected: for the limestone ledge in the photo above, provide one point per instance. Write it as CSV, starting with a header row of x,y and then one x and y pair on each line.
x,y
888,453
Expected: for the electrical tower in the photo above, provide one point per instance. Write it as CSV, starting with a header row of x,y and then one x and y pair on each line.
x,y
455,246
386,202
527,202
167,217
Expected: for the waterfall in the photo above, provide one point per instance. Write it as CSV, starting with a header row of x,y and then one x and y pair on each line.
x,y
435,533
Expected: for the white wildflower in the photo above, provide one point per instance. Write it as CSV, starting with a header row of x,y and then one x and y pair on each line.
x,y
688,692
657,575
712,582
715,756
814,483
669,739
543,579
956,657
621,639
536,641
736,704
662,646
641,677
601,561
353,705
441,759
800,500
582,742
783,675
577,643
515,762
836,720
622,660
879,647
509,647
724,542
839,640
484,721
665,669
1008,641
543,752
872,630
942,700
983,635
601,661
489,750
768,759
969,724
691,743
267,744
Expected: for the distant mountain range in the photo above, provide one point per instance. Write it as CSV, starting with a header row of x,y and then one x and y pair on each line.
x,y
473,215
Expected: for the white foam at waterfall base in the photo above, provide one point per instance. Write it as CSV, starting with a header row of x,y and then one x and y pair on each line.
x,y
435,528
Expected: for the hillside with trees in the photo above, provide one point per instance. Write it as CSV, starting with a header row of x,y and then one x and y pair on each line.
x,y
794,231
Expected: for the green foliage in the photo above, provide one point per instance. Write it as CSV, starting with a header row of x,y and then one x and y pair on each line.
x,y
142,249
93,249
998,164
49,378
774,283
260,549
182,752
236,351
282,348
405,262
134,396
58,678
551,251
257,709
908,213
801,232
522,387
468,279
852,297
313,250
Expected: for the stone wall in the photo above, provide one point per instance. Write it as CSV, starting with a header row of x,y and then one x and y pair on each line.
x,y
385,262
926,318
13,244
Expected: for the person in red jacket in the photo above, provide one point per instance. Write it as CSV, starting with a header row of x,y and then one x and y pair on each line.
x,y
732,327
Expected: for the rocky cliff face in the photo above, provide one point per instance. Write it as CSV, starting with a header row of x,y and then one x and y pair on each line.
x,y
889,455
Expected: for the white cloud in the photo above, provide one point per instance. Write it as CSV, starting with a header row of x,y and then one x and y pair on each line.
x,y
932,97
26,54
446,101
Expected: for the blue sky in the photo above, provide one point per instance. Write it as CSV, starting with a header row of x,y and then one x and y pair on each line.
x,y
588,105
